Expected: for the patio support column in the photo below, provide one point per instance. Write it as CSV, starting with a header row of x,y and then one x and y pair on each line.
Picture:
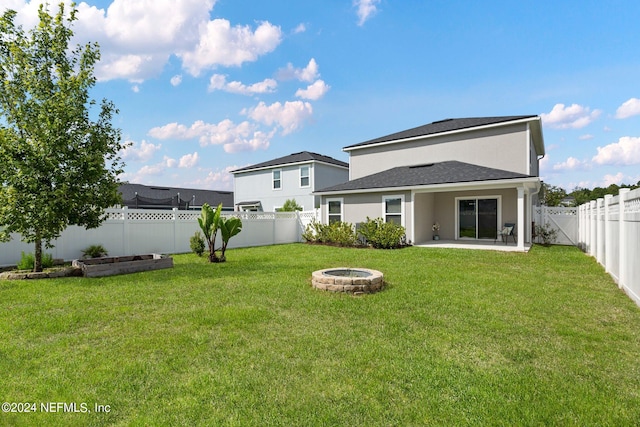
x,y
521,227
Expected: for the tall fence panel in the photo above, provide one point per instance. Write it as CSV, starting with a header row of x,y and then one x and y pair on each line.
x,y
609,230
139,231
563,220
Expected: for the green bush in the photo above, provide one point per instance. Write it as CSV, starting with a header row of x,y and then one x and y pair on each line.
x,y
546,234
382,235
94,251
27,261
336,233
197,243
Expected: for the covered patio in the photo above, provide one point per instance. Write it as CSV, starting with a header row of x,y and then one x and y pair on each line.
x,y
499,245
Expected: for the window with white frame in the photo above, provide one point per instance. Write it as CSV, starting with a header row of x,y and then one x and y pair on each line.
x,y
304,176
334,210
277,179
393,209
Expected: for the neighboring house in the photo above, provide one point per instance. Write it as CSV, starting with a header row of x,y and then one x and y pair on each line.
x,y
470,175
138,196
268,185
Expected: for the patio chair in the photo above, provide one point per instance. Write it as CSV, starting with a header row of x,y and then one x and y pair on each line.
x,y
508,230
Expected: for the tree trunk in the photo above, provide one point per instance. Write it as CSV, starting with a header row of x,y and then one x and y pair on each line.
x,y
37,263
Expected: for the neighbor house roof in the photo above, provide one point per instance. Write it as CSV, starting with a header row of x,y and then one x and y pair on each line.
x,y
212,197
448,172
453,125
302,157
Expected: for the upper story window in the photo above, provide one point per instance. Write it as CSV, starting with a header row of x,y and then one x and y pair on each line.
x,y
393,209
277,179
304,176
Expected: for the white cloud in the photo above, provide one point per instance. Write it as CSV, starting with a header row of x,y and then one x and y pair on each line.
x,y
219,82
301,28
233,137
142,153
306,74
570,164
628,109
289,116
366,9
220,44
216,179
176,80
314,91
169,162
572,117
586,137
137,38
188,160
624,152
613,179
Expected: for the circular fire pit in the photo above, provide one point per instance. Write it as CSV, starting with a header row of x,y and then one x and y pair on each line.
x,y
350,280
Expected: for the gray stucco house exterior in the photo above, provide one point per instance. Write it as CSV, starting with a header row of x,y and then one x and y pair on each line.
x,y
469,175
268,185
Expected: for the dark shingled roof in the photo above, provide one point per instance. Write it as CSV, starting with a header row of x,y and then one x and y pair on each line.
x,y
304,156
212,197
426,174
441,126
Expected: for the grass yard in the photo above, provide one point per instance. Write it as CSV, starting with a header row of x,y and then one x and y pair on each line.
x,y
458,337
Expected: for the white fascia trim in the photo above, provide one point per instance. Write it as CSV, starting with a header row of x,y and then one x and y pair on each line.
x,y
280,166
452,132
529,183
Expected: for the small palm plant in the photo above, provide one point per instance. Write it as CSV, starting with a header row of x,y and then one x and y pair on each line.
x,y
211,221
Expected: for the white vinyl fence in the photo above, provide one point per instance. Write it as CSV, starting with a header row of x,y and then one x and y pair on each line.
x,y
609,230
563,220
141,231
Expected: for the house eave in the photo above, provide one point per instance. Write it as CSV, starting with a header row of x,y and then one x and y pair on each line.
x,y
535,119
531,183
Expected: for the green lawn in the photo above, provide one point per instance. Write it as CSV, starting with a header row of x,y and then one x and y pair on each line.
x,y
457,337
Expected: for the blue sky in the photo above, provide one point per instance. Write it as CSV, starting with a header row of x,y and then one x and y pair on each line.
x,y
206,86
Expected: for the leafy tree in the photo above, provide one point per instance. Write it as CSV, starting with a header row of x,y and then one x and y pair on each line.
x,y
290,205
551,195
58,166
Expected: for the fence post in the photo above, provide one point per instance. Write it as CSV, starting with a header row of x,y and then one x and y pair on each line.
x,y
593,217
175,227
607,233
599,231
622,275
125,230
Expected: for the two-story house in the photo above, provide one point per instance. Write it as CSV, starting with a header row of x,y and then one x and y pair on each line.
x,y
469,175
268,185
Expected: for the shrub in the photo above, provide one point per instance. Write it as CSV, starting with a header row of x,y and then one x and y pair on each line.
x,y
546,234
382,235
337,233
197,243
27,261
94,251
290,205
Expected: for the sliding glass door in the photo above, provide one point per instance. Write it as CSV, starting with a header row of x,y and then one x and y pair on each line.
x,y
477,218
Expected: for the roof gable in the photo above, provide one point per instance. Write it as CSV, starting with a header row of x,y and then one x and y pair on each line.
x,y
302,157
441,126
449,172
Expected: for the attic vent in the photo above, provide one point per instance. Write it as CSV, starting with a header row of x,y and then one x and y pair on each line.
x,y
427,165
160,188
441,121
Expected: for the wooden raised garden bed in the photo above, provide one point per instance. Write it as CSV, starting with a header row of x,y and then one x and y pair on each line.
x,y
110,266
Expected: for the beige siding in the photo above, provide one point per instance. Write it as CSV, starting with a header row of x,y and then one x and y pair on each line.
x,y
505,147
